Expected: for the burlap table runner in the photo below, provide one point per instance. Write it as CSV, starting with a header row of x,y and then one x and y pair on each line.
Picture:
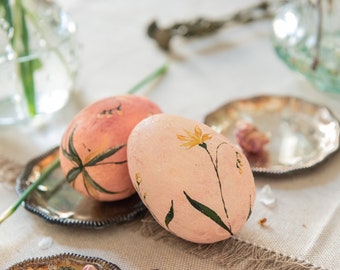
x,y
240,252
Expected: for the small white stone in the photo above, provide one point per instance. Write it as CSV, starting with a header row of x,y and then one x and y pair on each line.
x,y
266,196
45,243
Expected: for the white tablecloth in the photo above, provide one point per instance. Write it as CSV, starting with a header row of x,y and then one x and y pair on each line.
x,y
115,53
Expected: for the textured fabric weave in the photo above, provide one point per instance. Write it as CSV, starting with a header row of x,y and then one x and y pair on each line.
x,y
261,247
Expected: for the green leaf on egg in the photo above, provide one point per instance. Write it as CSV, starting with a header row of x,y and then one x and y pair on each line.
x,y
250,209
170,215
72,174
205,210
94,184
80,168
109,152
73,155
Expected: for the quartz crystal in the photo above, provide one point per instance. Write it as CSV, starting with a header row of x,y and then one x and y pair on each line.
x,y
267,197
45,243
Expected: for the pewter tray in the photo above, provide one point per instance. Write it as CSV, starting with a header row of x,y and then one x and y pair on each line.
x,y
57,202
64,261
302,134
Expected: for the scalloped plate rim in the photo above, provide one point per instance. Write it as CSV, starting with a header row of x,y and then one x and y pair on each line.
x,y
20,187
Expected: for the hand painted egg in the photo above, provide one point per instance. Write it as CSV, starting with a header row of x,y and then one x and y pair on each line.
x,y
93,148
195,183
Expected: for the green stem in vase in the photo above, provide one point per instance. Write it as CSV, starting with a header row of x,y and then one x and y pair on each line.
x,y
10,210
7,12
316,59
18,35
51,47
20,43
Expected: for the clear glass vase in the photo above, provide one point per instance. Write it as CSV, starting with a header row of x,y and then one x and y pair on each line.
x,y
306,36
38,59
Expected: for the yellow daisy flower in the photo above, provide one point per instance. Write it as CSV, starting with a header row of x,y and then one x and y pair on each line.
x,y
193,138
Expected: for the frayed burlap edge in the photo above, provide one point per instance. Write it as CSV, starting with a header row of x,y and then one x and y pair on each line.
x,y
9,170
232,253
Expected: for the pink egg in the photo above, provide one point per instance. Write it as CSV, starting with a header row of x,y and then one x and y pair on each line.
x,y
93,148
194,181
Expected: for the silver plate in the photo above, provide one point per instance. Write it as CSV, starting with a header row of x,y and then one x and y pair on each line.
x,y
64,261
57,202
302,134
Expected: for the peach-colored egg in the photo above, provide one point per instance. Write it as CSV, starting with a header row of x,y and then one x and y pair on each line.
x,y
194,181
93,147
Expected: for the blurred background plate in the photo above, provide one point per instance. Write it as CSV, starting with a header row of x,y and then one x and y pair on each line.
x,y
301,134
63,262
57,202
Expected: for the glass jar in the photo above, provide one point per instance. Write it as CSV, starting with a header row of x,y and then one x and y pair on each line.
x,y
306,36
38,60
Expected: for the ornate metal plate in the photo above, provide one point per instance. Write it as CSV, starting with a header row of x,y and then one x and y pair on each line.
x,y
302,134
57,202
65,261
